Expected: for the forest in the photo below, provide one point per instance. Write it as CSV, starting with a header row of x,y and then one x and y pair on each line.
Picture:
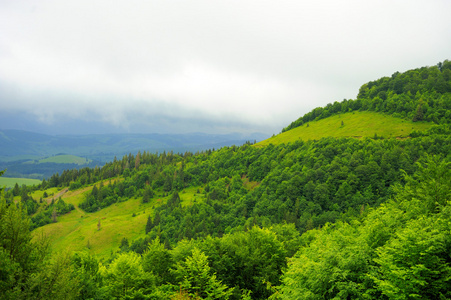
x,y
333,218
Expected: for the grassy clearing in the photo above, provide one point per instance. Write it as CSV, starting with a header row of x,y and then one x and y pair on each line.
x,y
11,182
78,230
65,159
353,124
189,196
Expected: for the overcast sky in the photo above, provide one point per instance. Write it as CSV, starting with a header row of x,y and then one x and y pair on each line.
x,y
208,66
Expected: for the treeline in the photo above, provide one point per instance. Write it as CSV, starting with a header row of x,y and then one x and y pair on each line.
x,y
39,170
422,94
49,213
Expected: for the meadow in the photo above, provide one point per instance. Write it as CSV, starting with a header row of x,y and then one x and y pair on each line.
x,y
80,231
65,159
10,182
358,124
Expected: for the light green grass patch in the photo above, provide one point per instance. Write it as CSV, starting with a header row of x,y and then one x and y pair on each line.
x,y
189,196
78,229
353,124
73,230
9,182
65,159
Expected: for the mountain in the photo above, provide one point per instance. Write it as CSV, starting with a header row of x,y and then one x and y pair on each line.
x,y
349,201
20,149
103,147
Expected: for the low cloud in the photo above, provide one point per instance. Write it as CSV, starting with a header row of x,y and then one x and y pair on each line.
x,y
203,65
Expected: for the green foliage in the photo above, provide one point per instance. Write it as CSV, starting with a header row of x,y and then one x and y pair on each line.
x,y
248,260
125,277
194,276
87,273
26,269
374,216
49,213
157,260
400,250
415,263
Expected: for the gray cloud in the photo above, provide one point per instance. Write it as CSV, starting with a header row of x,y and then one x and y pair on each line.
x,y
206,65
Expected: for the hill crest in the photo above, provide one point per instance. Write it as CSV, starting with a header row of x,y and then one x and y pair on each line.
x,y
358,124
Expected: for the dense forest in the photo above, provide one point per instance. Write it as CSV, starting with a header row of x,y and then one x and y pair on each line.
x,y
322,219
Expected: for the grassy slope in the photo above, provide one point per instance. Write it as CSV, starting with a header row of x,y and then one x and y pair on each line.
x,y
355,124
11,182
73,230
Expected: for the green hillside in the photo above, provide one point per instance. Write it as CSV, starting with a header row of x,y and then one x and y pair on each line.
x,y
351,201
79,230
358,124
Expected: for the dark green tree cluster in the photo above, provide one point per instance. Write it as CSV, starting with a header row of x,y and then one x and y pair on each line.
x,y
304,183
49,213
41,212
29,204
240,265
401,250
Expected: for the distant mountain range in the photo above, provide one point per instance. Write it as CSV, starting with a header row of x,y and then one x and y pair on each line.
x,y
14,143
18,148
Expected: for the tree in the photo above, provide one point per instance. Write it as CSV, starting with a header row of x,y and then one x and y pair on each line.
x,y
416,262
54,215
248,260
87,273
158,260
419,112
16,189
126,278
194,276
399,250
149,225
332,266
124,245
138,160
148,193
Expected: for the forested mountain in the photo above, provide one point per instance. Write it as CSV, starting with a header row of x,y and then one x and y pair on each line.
x,y
327,218
419,94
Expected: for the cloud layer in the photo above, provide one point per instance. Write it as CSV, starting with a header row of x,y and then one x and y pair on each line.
x,y
174,66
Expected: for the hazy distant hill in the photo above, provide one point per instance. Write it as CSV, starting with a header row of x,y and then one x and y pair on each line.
x,y
17,144
21,152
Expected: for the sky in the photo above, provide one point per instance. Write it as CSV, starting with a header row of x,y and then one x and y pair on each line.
x,y
202,66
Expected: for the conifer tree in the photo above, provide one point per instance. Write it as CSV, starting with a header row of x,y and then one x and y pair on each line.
x,y
149,225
